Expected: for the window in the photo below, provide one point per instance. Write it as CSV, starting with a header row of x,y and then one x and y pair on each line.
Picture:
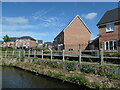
x,y
70,49
20,40
111,45
110,27
21,44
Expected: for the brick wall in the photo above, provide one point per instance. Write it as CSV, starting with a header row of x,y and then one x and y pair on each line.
x,y
106,36
76,35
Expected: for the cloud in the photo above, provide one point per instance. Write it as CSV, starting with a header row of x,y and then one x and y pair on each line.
x,y
37,15
18,27
15,20
50,22
40,13
89,16
49,19
37,25
35,35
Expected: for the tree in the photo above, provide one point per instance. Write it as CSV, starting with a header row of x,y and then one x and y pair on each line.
x,y
6,38
44,45
11,44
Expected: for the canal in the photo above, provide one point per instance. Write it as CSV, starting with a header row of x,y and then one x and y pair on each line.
x,y
17,78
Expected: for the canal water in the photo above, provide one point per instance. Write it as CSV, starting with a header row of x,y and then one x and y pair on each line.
x,y
17,78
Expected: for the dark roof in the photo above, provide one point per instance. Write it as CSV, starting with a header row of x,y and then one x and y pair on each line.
x,y
95,40
110,16
27,37
40,41
13,39
24,37
49,43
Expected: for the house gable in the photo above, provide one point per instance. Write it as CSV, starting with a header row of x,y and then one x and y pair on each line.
x,y
76,32
77,16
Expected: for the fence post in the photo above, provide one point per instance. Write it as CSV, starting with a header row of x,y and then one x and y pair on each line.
x,y
80,54
6,54
42,54
63,55
51,54
19,55
24,52
1,54
29,53
101,56
13,53
35,53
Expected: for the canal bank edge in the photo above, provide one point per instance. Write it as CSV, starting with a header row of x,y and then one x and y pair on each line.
x,y
76,78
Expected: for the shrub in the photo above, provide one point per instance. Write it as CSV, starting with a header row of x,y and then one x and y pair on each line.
x,y
115,54
101,73
112,75
115,87
35,58
80,80
97,85
112,54
21,58
70,66
88,70
106,54
55,74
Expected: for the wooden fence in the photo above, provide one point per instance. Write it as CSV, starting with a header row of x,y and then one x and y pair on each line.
x,y
99,54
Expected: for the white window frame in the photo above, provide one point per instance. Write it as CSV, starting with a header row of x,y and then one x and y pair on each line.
x,y
20,40
111,26
109,44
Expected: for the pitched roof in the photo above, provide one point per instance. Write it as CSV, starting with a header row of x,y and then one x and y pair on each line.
x,y
49,43
24,37
27,37
110,16
77,16
12,39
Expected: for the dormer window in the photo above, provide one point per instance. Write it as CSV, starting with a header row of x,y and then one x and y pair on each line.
x,y
109,27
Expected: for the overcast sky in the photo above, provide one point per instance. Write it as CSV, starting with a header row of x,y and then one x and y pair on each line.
x,y
43,21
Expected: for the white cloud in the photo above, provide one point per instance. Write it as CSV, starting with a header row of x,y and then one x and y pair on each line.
x,y
35,35
40,13
49,19
18,27
15,20
90,16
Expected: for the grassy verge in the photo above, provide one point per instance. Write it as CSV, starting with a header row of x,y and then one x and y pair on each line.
x,y
55,69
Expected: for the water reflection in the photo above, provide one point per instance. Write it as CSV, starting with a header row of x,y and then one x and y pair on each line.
x,y
16,78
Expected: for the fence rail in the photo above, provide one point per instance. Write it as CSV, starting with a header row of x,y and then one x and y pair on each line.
x,y
99,54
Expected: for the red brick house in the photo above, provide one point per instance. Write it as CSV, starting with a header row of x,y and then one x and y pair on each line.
x,y
109,31
74,37
22,42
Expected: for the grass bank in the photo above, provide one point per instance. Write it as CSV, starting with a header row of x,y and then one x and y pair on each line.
x,y
69,74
